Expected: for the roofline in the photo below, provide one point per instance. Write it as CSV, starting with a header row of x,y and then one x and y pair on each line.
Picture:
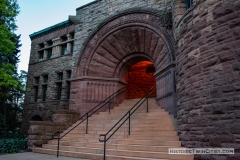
x,y
50,29
88,4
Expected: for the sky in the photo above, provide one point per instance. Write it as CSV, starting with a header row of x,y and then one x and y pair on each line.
x,y
36,15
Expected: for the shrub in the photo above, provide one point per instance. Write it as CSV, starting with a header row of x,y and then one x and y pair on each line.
x,y
12,143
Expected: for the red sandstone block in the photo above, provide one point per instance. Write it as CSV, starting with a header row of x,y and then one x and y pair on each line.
x,y
199,26
227,56
216,92
236,33
210,62
234,23
224,35
236,66
195,70
236,44
227,9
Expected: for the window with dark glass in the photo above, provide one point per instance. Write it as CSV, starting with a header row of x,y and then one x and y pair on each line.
x,y
50,43
36,93
59,91
69,74
45,79
189,4
72,47
49,53
40,56
36,80
72,35
60,76
68,90
44,92
64,38
64,49
41,46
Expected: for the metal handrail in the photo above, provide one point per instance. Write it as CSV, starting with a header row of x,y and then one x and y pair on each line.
x,y
87,115
128,117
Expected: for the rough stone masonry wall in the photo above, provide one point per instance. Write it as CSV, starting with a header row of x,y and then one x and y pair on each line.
x,y
208,76
89,18
50,67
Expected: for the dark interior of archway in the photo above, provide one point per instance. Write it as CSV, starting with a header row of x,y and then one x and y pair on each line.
x,y
140,79
36,118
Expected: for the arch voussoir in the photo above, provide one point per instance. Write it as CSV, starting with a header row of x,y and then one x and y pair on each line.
x,y
119,44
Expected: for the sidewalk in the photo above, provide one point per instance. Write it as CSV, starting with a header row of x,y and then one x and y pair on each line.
x,y
34,156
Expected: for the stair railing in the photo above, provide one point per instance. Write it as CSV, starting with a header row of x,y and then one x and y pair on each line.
x,y
126,117
86,116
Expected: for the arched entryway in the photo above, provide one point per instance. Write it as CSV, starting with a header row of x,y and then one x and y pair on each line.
x,y
140,79
113,49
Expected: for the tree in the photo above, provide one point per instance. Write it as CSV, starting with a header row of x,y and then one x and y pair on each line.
x,y
9,49
9,9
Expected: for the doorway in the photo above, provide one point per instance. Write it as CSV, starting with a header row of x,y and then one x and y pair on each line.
x,y
140,79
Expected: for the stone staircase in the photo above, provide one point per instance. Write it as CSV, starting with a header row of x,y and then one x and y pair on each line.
x,y
152,134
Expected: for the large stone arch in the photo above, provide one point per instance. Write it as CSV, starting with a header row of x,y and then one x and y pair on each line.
x,y
123,40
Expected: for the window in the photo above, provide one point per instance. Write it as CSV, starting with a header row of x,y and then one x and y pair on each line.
x,y
72,47
59,91
40,56
50,43
72,35
60,76
189,4
69,74
40,46
64,38
45,79
37,80
68,90
64,49
36,94
49,53
44,92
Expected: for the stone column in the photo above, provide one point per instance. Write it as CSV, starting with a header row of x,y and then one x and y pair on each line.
x,y
69,44
57,48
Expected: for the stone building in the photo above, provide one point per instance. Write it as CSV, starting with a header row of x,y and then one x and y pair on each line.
x,y
190,47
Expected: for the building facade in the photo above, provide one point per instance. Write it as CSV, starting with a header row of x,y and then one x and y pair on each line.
x,y
190,48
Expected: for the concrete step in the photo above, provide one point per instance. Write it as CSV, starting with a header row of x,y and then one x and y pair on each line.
x,y
125,126
147,142
112,154
134,124
151,135
109,146
87,155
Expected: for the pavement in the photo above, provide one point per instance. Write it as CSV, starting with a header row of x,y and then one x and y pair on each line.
x,y
34,156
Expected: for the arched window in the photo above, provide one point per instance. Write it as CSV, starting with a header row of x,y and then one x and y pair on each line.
x,y
36,118
189,4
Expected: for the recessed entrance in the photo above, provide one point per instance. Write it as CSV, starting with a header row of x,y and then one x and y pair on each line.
x,y
140,79
113,51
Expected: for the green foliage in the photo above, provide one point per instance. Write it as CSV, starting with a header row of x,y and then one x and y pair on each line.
x,y
9,9
13,145
12,135
12,85
6,45
7,80
13,57
12,89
